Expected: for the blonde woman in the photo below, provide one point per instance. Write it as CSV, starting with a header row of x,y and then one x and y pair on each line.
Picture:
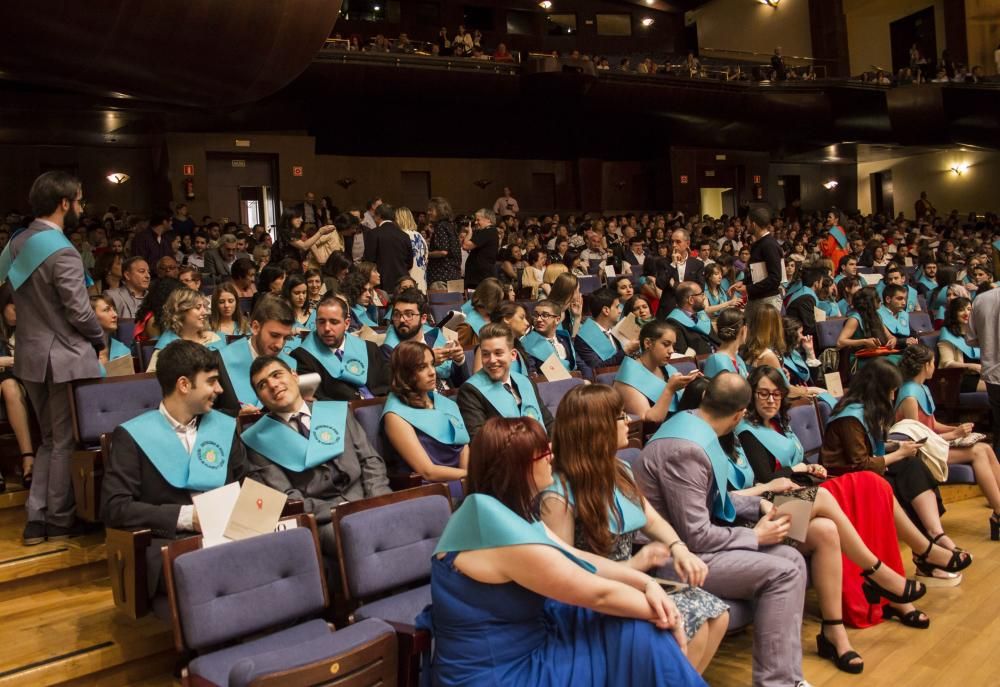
x,y
185,316
405,221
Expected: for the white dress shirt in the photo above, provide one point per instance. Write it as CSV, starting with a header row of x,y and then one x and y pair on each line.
x,y
187,433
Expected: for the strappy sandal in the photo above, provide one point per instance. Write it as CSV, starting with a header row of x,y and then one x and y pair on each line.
x,y
959,561
826,649
873,591
911,619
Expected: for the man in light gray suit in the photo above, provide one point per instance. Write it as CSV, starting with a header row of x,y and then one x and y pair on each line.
x,y
677,474
57,336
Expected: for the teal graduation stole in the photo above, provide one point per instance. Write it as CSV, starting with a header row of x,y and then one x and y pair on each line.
x,y
918,391
237,359
971,353
793,292
168,337
803,291
786,448
689,427
829,308
540,347
721,362
443,422
116,349
35,251
440,341
857,411
898,325
360,315
283,445
716,300
472,317
996,244
797,364
740,473
309,324
839,236
594,336
843,306
625,516
353,369
502,400
201,470
700,323
634,374
927,282
483,522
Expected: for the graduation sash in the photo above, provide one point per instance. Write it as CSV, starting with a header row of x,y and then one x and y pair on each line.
x,y
594,336
740,473
702,325
797,365
927,282
116,349
911,298
169,336
690,427
472,317
353,369
360,316
440,341
857,411
716,300
282,444
201,470
237,359
309,324
502,400
786,448
541,348
971,353
918,391
483,522
443,422
624,516
801,292
898,324
844,306
793,292
634,374
830,308
839,236
35,251
721,362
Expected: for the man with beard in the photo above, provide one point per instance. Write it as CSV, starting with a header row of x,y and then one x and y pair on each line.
x,y
693,325
57,338
409,323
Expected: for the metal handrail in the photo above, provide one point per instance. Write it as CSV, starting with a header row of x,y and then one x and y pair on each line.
x,y
764,54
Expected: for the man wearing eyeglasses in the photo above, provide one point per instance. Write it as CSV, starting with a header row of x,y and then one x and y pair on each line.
x,y
694,326
546,340
409,323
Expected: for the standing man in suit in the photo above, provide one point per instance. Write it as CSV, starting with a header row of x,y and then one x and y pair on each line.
x,y
316,452
56,340
767,255
595,345
349,367
683,268
389,247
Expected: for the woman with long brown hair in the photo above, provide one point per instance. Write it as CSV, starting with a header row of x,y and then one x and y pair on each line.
x,y
227,319
595,504
765,345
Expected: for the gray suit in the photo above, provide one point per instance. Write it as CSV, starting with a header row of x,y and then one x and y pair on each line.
x,y
357,473
676,476
215,264
57,335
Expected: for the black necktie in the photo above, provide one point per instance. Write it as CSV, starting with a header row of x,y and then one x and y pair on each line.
x,y
298,420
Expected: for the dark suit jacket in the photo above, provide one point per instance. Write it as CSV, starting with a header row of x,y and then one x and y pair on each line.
x,y
803,308
592,361
215,264
331,389
226,402
476,410
389,247
667,279
701,343
575,362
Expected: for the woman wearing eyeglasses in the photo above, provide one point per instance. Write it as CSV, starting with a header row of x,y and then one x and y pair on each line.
x,y
595,504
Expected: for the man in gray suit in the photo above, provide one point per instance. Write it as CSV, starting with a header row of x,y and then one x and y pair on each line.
x,y
677,474
219,261
314,452
57,336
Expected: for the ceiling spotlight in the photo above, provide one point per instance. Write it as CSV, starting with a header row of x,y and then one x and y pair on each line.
x,y
650,2
960,169
545,4
832,184
117,177
647,21
770,3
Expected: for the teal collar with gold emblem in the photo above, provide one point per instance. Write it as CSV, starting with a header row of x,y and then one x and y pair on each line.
x,y
281,444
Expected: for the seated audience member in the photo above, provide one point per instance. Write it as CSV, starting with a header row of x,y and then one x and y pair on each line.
x,y
565,293
315,287
847,267
799,364
827,294
766,345
270,279
953,349
694,327
185,316
485,299
915,402
15,398
595,345
135,283
546,340
682,472
894,316
355,289
855,439
803,304
190,277
498,577
716,296
313,452
244,277
516,317
296,293
227,319
104,309
149,317
595,504
926,277
408,322
864,331
731,329
846,289
349,367
162,458
270,330
496,390
640,307
424,428
649,384
894,275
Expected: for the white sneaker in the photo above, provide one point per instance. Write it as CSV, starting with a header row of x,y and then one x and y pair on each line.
x,y
803,683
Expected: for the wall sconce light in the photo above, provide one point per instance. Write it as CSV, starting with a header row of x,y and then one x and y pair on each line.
x,y
770,3
118,178
346,182
482,183
960,169
832,184
545,4
647,22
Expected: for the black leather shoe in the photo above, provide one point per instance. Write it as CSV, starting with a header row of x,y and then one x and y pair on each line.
x,y
57,533
34,533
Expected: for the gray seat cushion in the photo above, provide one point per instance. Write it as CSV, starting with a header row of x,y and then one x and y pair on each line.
x,y
961,474
398,608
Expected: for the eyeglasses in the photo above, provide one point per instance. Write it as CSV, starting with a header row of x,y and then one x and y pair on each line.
x,y
547,456
764,394
407,315
623,417
543,315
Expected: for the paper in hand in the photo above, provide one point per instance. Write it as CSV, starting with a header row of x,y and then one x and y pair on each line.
x,y
214,508
834,384
627,329
122,366
800,512
553,369
257,511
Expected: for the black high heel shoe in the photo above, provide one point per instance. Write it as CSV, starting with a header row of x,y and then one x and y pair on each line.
x,y
826,649
911,619
873,591
995,527
955,564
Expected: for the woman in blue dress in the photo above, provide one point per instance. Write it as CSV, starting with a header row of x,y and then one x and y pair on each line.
x,y
595,503
514,606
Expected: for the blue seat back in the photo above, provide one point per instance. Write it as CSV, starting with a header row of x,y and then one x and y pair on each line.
x,y
589,284
370,419
440,310
605,378
805,423
126,331
445,297
828,331
103,405
920,322
246,305
552,392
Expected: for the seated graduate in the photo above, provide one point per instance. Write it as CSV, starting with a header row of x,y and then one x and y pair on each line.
x,y
864,330
185,316
803,304
349,367
356,291
516,317
799,362
553,615
926,276
649,384
683,472
424,428
767,345
408,322
595,503
894,316
694,327
296,292
546,339
894,275
846,289
226,318
485,299
163,457
316,452
731,328
955,351
104,309
270,329
496,390
595,345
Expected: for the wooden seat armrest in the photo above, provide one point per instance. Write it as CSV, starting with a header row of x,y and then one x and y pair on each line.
x,y
375,662
127,568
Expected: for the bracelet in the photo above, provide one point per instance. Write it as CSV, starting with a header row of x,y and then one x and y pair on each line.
x,y
674,543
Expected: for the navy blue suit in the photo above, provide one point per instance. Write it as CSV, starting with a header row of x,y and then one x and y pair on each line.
x,y
575,362
590,359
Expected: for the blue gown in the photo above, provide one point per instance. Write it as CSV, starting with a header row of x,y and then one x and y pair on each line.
x,y
493,635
